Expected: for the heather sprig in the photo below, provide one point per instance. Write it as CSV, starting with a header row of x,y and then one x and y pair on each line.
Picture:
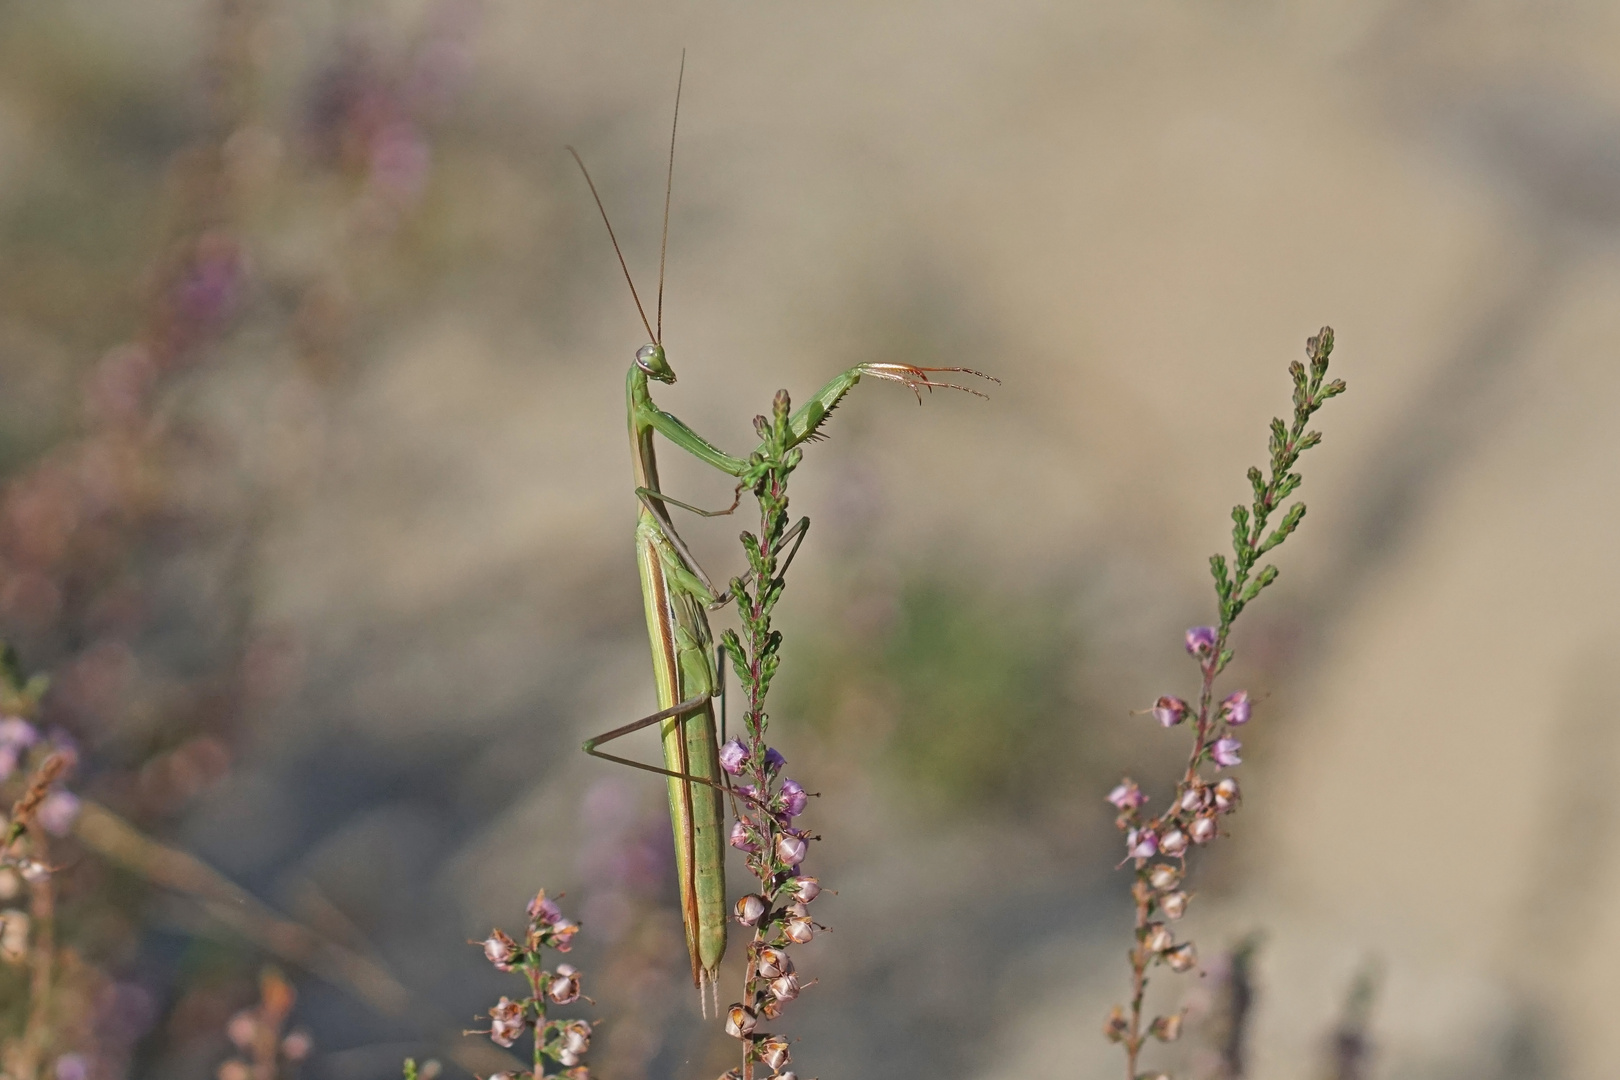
x,y
1158,845
765,832
562,1041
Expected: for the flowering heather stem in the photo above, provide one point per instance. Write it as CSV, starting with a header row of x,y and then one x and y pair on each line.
x,y
764,830
563,1041
1197,804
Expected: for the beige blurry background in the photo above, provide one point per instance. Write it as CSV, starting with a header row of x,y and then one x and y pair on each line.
x,y
1131,213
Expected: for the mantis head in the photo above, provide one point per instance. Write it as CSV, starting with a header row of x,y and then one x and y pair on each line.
x,y
650,358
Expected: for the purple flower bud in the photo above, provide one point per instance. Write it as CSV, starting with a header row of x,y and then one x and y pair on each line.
x,y
1225,752
742,837
1201,641
501,950
773,760
1169,711
773,963
1141,844
1174,843
1127,796
801,930
734,757
791,849
1227,795
750,909
794,798
542,911
747,791
1182,957
773,1051
508,1022
563,989
1157,938
805,889
740,1021
1174,905
57,813
1203,829
1235,708
1164,876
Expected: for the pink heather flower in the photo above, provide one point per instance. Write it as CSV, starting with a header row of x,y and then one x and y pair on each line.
x,y
773,1051
1174,843
800,930
773,760
742,837
773,963
507,1022
1201,641
1158,937
1169,711
1194,798
794,798
734,757
1127,796
564,986
1182,957
740,1021
1141,844
1227,795
58,812
561,934
1164,876
297,1045
791,849
750,909
1235,708
501,950
1203,829
805,889
543,911
1174,905
785,987
1225,752
576,1039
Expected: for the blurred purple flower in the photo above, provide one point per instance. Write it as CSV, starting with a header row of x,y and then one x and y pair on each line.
x,y
1127,796
1201,641
15,731
1169,711
791,849
1235,708
58,812
1141,843
72,1067
773,760
1225,752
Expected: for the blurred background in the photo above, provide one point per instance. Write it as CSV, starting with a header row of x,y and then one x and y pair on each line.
x,y
317,509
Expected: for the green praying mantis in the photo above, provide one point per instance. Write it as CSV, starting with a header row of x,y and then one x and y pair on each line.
x,y
687,667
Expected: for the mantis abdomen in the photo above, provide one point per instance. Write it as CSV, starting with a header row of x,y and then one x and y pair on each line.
x,y
681,651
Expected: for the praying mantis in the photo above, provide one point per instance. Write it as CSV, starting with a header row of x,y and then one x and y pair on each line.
x,y
678,594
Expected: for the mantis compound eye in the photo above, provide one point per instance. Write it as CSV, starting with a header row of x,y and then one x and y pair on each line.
x,y
644,356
